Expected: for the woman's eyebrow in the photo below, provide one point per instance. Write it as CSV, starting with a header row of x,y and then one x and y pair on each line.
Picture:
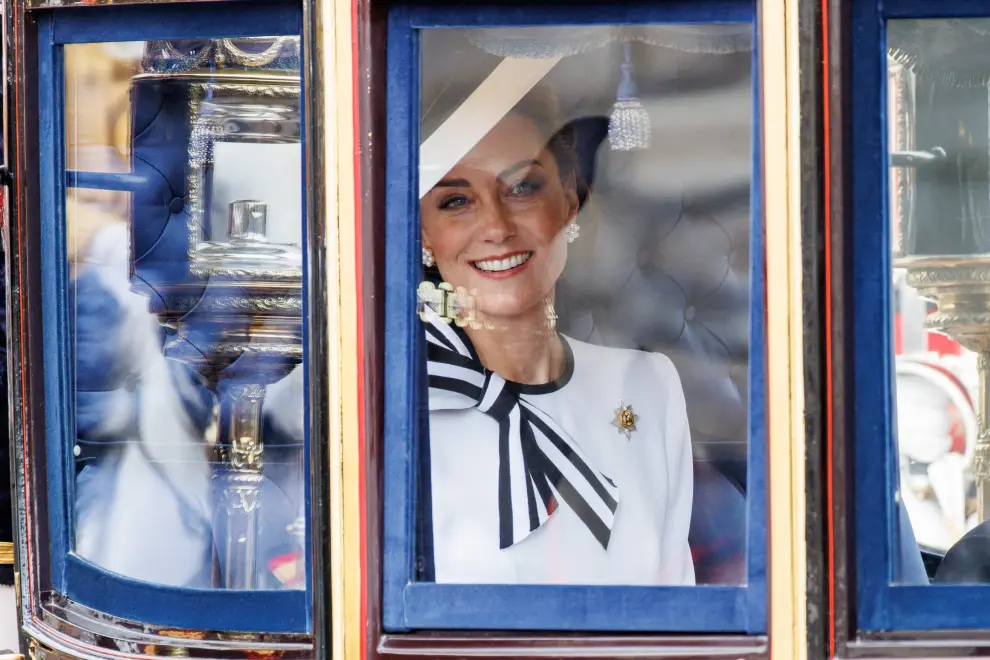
x,y
453,183
509,171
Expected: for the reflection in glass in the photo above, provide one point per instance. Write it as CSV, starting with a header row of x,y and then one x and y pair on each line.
x,y
184,247
938,117
97,121
585,212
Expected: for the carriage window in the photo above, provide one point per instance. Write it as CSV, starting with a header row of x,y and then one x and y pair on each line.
x,y
584,287
574,206
938,114
184,244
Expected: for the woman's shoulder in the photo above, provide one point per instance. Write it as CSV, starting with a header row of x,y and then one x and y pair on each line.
x,y
607,363
646,382
606,355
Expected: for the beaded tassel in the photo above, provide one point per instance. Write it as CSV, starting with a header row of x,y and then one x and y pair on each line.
x,y
629,127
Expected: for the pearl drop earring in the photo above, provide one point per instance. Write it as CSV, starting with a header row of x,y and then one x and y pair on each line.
x,y
428,259
572,231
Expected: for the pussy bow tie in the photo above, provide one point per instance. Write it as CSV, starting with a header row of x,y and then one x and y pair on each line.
x,y
538,462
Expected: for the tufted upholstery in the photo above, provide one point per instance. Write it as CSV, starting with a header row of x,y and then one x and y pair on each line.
x,y
663,265
160,240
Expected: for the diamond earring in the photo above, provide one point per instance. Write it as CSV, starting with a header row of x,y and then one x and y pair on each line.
x,y
572,231
428,259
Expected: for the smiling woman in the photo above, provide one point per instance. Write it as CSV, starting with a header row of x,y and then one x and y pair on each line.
x,y
556,443
495,224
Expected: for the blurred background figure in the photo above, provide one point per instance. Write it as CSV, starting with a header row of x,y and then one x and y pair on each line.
x,y
936,424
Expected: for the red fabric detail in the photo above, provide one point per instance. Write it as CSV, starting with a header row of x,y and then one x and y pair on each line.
x,y
942,344
957,430
281,560
898,334
288,568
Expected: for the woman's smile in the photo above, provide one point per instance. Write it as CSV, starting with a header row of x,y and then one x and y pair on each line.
x,y
502,266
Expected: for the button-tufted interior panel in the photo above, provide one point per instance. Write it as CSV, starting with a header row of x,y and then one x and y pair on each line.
x,y
663,260
160,154
663,265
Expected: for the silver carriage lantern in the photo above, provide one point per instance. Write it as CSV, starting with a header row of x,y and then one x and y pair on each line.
x,y
225,273
939,112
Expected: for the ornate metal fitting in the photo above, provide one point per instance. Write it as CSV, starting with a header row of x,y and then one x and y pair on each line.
x,y
960,285
246,453
981,462
243,493
246,449
251,391
260,109
450,304
182,55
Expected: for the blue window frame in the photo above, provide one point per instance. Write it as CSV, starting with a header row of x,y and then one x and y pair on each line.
x,y
881,603
84,582
409,604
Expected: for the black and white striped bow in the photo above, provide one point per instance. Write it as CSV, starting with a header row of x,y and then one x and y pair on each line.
x,y
539,464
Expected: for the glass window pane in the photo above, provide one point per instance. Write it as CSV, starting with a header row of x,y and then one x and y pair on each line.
x,y
938,117
186,311
585,199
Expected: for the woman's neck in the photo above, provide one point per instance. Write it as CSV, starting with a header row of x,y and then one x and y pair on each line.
x,y
522,349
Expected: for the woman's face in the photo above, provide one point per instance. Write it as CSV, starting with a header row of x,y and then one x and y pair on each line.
x,y
494,222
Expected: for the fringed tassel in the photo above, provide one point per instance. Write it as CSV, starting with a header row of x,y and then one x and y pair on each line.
x,y
629,127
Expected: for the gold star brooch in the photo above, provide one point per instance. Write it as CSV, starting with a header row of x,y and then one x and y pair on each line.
x,y
625,419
